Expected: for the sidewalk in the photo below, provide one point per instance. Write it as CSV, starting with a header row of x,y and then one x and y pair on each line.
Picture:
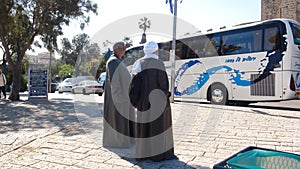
x,y
60,134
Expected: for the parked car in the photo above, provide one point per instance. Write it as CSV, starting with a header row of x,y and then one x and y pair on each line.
x,y
88,87
66,85
81,78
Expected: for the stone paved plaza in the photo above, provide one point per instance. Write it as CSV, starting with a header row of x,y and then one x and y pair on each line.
x,y
66,132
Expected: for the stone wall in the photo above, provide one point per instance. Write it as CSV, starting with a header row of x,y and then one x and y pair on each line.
x,y
280,9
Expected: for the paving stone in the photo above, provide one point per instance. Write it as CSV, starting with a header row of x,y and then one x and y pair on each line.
x,y
203,135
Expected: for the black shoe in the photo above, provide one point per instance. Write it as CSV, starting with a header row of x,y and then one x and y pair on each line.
x,y
140,159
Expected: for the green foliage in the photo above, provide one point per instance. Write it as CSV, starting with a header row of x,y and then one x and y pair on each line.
x,y
23,20
71,50
81,54
24,82
55,68
24,79
66,71
102,66
128,42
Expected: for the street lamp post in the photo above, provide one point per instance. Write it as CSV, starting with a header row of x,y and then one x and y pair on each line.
x,y
172,53
50,72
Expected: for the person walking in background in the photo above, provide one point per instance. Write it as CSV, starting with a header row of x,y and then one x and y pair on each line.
x,y
154,121
119,115
2,84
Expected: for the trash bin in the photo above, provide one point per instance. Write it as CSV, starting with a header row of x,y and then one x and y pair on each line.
x,y
260,158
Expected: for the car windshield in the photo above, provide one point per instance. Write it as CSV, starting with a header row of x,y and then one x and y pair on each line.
x,y
67,83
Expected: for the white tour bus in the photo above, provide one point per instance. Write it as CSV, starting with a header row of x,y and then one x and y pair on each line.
x,y
252,62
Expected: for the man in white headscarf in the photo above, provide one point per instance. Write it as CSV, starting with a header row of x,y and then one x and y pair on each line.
x,y
151,98
151,51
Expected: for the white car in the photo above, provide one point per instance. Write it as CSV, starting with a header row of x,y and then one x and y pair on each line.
x,y
66,85
88,87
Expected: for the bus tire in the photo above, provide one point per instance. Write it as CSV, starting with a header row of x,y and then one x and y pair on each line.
x,y
218,94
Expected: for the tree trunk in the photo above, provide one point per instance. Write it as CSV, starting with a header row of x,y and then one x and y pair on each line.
x,y
14,95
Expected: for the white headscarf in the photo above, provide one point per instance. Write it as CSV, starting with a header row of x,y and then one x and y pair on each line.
x,y
149,49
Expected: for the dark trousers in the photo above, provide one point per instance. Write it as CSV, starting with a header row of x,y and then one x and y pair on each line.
x,y
2,89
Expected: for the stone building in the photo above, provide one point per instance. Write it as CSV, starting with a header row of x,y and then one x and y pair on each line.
x,y
42,58
280,9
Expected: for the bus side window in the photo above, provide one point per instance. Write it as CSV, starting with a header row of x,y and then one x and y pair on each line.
x,y
212,47
132,55
192,48
257,41
271,40
164,51
179,51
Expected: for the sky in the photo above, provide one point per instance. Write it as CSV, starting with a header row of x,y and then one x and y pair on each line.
x,y
201,14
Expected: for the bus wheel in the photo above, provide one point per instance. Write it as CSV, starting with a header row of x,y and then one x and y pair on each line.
x,y
218,94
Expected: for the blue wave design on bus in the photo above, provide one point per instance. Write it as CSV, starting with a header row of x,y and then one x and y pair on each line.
x,y
274,58
236,78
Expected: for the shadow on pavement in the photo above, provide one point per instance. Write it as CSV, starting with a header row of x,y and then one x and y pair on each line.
x,y
38,114
176,163
148,164
277,115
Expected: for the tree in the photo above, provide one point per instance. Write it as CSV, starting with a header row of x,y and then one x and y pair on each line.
x,y
23,21
89,52
66,71
71,50
102,65
128,42
144,24
55,68
79,53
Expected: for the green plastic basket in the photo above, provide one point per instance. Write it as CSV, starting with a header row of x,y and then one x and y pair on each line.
x,y
264,159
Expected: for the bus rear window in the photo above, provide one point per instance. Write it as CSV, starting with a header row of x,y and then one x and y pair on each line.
x,y
296,33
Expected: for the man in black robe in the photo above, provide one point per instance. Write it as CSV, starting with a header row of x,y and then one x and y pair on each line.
x,y
154,138
119,115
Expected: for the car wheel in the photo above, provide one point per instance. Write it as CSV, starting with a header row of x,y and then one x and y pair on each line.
x,y
84,92
100,94
73,91
218,94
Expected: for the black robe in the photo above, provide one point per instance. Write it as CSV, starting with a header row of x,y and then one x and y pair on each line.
x,y
154,138
118,122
